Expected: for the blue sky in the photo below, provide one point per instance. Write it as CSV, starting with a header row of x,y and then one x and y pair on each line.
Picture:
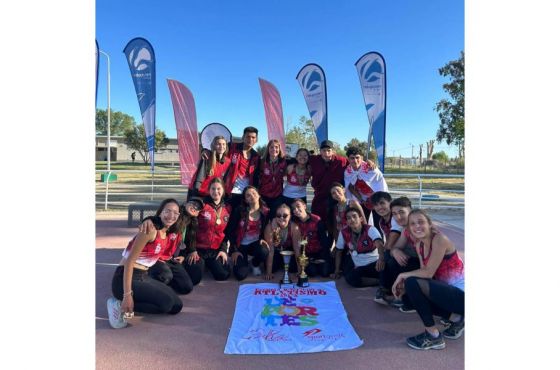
x,y
219,49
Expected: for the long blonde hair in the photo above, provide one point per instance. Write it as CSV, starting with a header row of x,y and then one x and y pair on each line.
x,y
214,157
266,157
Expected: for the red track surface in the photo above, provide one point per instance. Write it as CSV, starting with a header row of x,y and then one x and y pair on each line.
x,y
195,338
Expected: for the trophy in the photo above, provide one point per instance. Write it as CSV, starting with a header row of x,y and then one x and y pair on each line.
x,y
286,256
303,261
276,239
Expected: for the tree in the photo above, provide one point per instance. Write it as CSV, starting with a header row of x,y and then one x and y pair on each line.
x,y
430,149
303,134
362,145
452,112
440,156
135,139
120,122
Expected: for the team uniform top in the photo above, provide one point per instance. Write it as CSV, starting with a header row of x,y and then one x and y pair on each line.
x,y
362,249
365,180
153,250
296,185
451,270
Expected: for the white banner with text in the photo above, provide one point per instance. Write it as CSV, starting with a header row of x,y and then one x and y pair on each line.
x,y
273,320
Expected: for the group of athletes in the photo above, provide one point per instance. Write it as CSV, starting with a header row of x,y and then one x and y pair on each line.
x,y
243,210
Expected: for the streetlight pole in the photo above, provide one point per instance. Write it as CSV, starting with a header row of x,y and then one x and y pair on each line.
x,y
108,111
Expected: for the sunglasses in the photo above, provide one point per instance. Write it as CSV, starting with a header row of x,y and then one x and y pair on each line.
x,y
285,215
195,205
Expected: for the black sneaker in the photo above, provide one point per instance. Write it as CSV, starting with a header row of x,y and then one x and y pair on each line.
x,y
455,330
406,309
426,341
380,297
397,303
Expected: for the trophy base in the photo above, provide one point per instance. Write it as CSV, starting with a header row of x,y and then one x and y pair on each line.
x,y
303,282
284,282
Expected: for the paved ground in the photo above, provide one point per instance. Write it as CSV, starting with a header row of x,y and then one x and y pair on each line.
x,y
195,338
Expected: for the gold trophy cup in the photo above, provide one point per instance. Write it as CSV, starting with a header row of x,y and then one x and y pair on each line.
x,y
303,261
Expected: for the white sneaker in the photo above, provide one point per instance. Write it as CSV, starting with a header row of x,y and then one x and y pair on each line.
x,y
257,271
116,319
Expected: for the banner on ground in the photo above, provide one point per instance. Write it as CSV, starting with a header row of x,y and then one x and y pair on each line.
x,y
273,112
270,320
312,81
371,72
142,63
187,132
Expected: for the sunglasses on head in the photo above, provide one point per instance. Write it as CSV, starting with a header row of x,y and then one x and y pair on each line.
x,y
283,215
196,206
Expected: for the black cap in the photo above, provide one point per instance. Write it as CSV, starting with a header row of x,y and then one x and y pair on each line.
x,y
327,144
196,200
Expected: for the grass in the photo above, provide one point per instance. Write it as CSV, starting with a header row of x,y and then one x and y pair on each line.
x,y
121,187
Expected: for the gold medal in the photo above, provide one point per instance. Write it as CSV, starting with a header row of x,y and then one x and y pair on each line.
x,y
218,216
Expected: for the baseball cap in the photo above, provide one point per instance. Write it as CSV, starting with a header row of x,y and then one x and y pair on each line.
x,y
327,144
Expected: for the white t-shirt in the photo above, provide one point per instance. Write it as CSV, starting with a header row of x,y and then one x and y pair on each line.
x,y
361,259
240,184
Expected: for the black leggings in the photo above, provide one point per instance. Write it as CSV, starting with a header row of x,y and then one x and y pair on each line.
x,y
323,269
219,270
172,273
259,253
149,295
392,269
432,297
353,275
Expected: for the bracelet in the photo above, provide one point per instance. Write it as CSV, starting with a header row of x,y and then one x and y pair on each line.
x,y
129,293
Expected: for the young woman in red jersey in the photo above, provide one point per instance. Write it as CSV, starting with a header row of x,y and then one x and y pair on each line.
x,y
338,203
271,175
215,166
211,243
437,287
246,234
131,282
281,234
297,177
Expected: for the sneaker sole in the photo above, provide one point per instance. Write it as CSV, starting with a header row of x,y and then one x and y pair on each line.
x,y
439,346
456,336
381,301
408,311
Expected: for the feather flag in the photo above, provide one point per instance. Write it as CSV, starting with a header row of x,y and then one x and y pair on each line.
x,y
273,112
142,63
372,75
187,133
312,81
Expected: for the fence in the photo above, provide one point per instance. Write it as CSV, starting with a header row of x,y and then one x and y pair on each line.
x,y
424,190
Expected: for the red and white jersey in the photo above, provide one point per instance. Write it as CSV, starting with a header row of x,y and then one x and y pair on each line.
x,y
362,249
251,231
365,180
152,250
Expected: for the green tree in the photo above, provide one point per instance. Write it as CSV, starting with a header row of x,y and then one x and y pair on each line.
x,y
303,134
120,122
440,156
452,111
135,139
363,146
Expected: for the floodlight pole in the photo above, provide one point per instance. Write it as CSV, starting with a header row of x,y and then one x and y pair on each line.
x,y
108,111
